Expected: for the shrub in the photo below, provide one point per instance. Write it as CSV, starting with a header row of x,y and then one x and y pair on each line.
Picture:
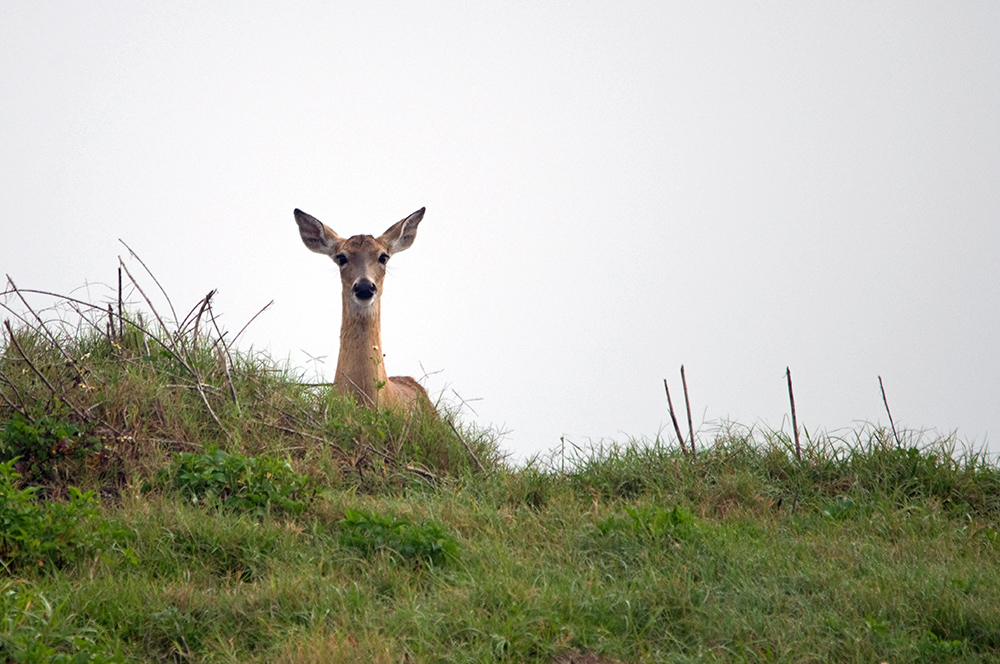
x,y
50,533
253,484
40,442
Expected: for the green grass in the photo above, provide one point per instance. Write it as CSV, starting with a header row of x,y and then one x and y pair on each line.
x,y
258,519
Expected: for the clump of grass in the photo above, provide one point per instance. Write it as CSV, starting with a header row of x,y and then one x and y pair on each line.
x,y
32,630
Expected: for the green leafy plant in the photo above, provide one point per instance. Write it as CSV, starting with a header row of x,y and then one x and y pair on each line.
x,y
50,533
653,523
425,542
39,442
254,484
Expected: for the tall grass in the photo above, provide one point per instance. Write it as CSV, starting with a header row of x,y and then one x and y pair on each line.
x,y
223,510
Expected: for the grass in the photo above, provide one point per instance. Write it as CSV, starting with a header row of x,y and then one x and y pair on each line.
x,y
164,497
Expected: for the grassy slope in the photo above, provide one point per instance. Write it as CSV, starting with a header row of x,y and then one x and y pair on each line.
x,y
864,550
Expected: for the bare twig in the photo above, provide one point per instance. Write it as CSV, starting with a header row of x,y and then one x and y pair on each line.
x,y
891,423
71,301
23,409
426,474
687,404
205,303
244,328
795,423
151,276
301,433
467,448
673,418
109,331
226,358
156,314
121,309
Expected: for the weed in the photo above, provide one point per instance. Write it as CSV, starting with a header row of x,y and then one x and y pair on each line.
x,y
653,523
425,542
251,484
49,534
39,443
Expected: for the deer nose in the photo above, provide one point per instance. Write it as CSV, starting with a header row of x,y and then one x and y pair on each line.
x,y
364,289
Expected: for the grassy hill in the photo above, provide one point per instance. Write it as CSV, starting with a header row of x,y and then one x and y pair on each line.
x,y
164,497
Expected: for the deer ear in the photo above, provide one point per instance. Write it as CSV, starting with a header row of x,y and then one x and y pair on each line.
x,y
402,234
316,235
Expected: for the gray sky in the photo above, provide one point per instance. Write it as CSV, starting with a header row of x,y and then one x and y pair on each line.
x,y
612,189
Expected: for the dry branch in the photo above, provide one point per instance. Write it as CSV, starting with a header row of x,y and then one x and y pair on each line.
x,y
426,474
173,349
673,418
151,276
891,423
244,328
795,423
687,404
467,448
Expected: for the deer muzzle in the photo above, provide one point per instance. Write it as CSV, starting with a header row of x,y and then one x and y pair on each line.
x,y
364,289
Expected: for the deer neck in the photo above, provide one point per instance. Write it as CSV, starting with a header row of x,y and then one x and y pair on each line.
x,y
360,369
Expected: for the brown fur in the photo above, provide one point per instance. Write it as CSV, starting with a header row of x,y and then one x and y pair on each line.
x,y
360,366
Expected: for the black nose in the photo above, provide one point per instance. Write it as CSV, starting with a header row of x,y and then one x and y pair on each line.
x,y
364,289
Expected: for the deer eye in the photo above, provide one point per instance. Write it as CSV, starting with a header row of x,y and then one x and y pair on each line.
x,y
383,259
341,259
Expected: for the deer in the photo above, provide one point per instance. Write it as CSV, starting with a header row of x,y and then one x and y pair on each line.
x,y
362,260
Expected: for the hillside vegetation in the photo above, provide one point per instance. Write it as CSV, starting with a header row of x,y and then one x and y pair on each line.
x,y
164,497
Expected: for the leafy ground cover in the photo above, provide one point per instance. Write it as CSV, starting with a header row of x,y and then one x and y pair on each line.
x,y
165,498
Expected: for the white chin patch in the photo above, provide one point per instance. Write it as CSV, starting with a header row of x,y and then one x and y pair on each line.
x,y
364,307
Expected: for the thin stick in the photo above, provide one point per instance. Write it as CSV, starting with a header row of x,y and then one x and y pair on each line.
x,y
121,316
673,418
206,302
795,424
426,474
687,403
226,359
891,423
300,433
109,331
467,448
22,409
156,314
152,276
244,328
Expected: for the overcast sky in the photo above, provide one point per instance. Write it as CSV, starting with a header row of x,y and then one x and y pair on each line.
x,y
612,189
